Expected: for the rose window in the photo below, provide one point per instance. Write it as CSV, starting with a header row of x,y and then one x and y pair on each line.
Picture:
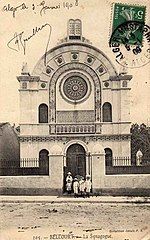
x,y
75,88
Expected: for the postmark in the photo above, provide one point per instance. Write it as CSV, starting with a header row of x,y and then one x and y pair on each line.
x,y
131,55
130,38
125,13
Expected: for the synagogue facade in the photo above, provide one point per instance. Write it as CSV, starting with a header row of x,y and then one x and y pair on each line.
x,y
74,112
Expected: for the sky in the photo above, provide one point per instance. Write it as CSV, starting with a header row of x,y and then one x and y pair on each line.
x,y
96,16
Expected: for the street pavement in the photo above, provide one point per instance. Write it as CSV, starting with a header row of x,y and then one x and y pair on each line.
x,y
63,217
63,199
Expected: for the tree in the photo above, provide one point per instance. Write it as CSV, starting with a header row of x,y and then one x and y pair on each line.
x,y
140,139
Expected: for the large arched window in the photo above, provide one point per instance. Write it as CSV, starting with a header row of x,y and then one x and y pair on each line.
x,y
107,112
44,162
43,113
108,157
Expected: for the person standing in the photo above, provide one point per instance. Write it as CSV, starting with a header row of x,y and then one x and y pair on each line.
x,y
88,186
76,187
82,187
69,180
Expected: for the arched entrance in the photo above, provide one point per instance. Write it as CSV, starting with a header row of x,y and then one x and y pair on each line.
x,y
44,162
76,160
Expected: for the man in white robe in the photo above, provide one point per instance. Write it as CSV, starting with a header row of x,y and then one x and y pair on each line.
x,y
88,186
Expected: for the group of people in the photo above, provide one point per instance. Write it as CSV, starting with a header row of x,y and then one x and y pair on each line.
x,y
79,186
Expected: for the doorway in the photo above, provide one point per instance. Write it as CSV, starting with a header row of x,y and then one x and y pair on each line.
x,y
75,160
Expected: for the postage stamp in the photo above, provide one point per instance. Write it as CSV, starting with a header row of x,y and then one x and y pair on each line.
x,y
130,38
124,13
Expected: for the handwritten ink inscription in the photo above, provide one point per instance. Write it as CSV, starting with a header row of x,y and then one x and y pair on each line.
x,y
41,8
9,8
19,42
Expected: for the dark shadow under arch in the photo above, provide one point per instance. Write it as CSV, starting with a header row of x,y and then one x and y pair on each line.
x,y
43,113
76,160
107,112
44,162
108,157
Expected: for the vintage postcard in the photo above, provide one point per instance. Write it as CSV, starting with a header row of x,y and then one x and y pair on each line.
x,y
75,119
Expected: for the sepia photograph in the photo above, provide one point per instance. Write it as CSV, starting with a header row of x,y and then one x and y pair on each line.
x,y
75,120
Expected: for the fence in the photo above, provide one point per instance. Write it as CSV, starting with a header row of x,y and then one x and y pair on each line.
x,y
118,170
125,165
121,161
29,162
24,166
34,166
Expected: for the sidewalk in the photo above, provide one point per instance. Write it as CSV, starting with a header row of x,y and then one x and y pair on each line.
x,y
64,199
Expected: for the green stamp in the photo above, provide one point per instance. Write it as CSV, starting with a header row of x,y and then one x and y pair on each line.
x,y
128,14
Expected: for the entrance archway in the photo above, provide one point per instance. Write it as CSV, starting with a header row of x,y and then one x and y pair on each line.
x,y
76,160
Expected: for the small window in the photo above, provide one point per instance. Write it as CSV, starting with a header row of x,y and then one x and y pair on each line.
x,y
43,113
107,112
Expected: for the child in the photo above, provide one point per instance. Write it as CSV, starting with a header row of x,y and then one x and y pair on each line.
x,y
75,187
82,186
88,186
68,186
69,177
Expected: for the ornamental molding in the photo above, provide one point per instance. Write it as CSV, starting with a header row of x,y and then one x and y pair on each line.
x,y
67,69
28,78
120,77
66,139
76,47
119,89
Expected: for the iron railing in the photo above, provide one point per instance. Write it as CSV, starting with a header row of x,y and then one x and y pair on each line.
x,y
34,166
125,165
24,166
29,162
121,161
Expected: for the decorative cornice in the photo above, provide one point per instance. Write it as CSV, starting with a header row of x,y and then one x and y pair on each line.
x,y
84,138
47,124
118,89
29,90
120,77
28,78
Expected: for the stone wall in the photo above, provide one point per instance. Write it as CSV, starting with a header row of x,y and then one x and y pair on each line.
x,y
46,185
